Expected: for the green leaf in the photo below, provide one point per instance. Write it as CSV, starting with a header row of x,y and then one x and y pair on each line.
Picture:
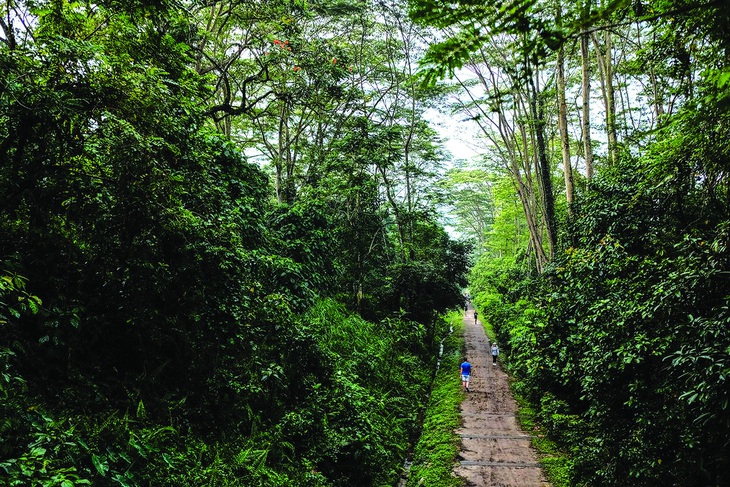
x,y
723,79
101,464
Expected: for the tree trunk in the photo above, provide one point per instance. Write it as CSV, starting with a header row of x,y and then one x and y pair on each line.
x,y
510,130
605,65
533,227
586,89
563,118
546,184
610,101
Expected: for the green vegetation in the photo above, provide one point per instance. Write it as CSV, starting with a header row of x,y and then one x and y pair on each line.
x,y
223,258
556,464
186,316
620,345
608,290
435,452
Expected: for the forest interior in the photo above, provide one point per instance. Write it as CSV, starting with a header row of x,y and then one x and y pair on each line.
x,y
234,247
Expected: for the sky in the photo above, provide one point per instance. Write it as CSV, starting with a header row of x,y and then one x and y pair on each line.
x,y
458,135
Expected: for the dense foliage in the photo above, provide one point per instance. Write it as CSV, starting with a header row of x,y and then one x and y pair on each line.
x,y
170,314
615,328
624,341
221,263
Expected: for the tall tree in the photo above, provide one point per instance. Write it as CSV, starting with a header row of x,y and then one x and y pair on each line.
x,y
471,203
584,39
528,37
563,112
506,106
604,56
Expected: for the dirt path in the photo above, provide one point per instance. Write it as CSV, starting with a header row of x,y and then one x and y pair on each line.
x,y
495,452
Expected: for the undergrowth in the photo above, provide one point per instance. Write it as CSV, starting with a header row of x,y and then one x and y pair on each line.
x,y
556,464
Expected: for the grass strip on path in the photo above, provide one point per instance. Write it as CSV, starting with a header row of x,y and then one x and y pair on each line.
x,y
435,453
556,464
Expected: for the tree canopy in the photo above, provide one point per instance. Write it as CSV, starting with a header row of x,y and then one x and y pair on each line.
x,y
618,336
220,259
224,255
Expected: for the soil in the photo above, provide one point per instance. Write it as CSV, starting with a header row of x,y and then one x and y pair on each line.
x,y
495,452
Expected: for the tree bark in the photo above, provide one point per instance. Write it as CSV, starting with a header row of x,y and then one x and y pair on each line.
x,y
605,65
563,118
546,184
586,90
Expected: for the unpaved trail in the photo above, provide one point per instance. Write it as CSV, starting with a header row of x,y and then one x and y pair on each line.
x,y
495,452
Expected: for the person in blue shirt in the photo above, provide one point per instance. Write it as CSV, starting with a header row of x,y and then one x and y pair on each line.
x,y
465,374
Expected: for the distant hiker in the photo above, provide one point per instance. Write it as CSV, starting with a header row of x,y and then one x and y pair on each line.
x,y
465,372
495,352
475,317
